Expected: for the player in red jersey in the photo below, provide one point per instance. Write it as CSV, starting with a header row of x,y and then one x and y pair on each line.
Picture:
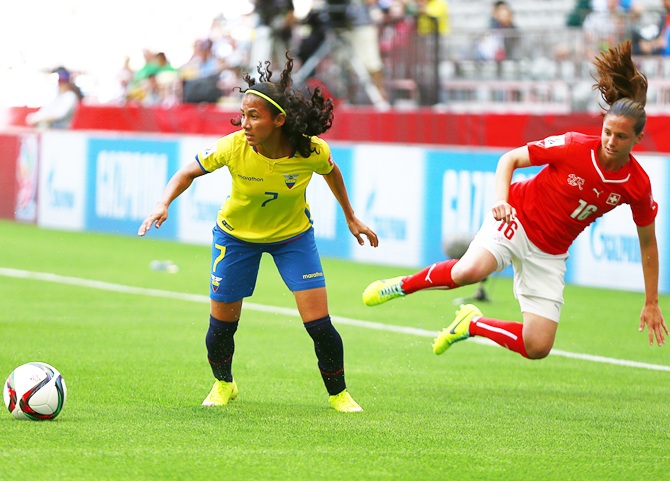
x,y
534,222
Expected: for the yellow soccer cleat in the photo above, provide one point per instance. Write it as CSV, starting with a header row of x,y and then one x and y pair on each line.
x,y
221,393
344,403
459,330
384,290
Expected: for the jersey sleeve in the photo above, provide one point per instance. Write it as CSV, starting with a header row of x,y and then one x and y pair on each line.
x,y
645,209
215,156
323,159
551,149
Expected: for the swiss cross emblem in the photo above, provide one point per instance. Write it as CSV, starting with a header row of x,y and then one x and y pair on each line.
x,y
613,199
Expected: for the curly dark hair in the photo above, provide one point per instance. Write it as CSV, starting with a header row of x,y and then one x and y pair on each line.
x,y
306,115
622,86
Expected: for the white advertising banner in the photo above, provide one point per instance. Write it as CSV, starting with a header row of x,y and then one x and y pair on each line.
x,y
62,180
416,199
387,195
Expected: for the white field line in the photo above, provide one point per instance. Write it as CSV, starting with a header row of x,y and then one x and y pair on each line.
x,y
412,331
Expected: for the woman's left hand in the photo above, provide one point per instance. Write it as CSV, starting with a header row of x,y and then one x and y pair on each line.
x,y
358,229
653,318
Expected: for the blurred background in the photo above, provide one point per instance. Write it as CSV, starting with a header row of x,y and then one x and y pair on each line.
x,y
100,103
456,55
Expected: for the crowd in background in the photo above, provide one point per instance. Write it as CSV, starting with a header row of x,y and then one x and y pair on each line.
x,y
365,34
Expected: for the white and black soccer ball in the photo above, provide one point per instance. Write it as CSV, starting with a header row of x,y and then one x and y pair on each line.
x,y
35,391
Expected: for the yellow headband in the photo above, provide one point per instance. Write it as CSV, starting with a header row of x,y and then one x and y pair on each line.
x,y
261,94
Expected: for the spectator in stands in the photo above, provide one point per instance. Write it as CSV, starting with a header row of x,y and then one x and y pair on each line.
x,y
604,29
582,8
162,63
502,19
502,15
167,81
58,113
155,75
632,8
234,60
655,39
432,28
363,37
274,31
432,14
154,64
200,75
203,62
577,15
151,91
156,83
501,41
317,22
162,85
533,222
124,77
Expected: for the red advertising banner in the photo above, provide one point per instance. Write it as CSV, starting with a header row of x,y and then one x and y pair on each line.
x,y
19,155
9,153
420,126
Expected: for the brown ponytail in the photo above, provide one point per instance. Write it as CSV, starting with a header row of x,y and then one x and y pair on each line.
x,y
622,86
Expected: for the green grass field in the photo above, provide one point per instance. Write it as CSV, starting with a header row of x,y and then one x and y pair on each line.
x,y
135,366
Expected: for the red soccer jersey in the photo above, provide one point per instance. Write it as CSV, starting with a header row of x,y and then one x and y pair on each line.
x,y
573,190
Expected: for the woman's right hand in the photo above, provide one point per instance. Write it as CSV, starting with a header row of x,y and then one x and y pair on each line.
x,y
157,217
503,211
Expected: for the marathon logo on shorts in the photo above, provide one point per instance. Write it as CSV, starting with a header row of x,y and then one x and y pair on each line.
x,y
312,275
290,180
216,281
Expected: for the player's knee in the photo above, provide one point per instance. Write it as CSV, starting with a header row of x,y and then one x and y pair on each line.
x,y
538,348
465,274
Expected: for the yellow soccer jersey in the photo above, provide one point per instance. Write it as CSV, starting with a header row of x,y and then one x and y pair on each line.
x,y
268,198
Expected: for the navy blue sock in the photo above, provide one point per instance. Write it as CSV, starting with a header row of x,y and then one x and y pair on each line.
x,y
220,348
329,352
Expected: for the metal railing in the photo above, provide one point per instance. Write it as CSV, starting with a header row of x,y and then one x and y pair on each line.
x,y
511,70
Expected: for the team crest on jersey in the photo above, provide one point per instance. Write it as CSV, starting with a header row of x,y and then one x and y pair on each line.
x,y
575,181
554,141
290,180
613,199
216,281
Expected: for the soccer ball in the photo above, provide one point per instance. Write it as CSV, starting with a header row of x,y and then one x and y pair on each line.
x,y
35,391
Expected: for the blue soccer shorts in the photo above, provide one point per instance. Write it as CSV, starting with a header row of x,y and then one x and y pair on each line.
x,y
235,264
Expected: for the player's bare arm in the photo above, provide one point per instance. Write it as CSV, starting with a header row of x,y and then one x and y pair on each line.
x,y
651,315
179,182
508,163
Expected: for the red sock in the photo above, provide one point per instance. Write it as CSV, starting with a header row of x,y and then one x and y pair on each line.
x,y
437,275
506,333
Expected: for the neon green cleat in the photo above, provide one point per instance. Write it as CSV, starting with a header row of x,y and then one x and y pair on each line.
x,y
221,393
459,330
344,403
384,290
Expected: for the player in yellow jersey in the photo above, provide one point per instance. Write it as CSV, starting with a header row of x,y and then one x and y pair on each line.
x,y
271,161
